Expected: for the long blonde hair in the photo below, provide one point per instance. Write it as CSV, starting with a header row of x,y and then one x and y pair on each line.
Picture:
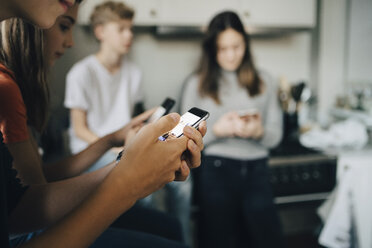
x,y
22,51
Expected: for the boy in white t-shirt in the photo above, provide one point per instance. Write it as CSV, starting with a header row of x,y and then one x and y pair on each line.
x,y
103,89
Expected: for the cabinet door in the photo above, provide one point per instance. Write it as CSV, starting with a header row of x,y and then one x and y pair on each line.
x,y
278,13
148,12
193,12
85,10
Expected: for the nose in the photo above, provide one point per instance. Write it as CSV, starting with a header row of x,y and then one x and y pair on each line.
x,y
129,34
69,42
230,54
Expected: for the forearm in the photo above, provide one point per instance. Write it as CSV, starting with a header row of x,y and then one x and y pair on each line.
x,y
78,163
82,226
45,204
27,162
84,133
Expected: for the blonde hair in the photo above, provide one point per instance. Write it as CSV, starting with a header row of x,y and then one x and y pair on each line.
x,y
110,11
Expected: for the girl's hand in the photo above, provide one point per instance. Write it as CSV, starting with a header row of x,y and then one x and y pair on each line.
x,y
226,125
250,128
192,156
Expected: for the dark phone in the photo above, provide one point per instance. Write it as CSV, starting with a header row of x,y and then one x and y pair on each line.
x,y
192,118
163,109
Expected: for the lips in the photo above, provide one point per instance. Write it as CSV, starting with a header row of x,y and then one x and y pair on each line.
x,y
58,54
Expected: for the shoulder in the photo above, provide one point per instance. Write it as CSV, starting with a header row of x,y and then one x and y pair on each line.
x,y
191,82
269,82
9,90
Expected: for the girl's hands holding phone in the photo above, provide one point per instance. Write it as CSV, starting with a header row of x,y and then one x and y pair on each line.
x,y
225,126
149,163
232,124
249,127
192,156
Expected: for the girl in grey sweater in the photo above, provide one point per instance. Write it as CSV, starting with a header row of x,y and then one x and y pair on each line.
x,y
245,122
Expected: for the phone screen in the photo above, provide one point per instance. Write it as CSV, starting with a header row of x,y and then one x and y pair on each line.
x,y
188,119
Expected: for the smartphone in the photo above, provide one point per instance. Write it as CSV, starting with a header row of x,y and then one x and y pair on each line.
x,y
163,109
192,118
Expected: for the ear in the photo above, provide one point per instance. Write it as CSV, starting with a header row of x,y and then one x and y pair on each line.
x,y
99,32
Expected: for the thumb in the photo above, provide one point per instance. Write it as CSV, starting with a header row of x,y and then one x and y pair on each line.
x,y
165,124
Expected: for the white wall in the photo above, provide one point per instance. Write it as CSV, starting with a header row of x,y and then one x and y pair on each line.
x,y
166,62
360,42
332,55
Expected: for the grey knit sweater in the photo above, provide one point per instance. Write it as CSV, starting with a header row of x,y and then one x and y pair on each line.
x,y
234,97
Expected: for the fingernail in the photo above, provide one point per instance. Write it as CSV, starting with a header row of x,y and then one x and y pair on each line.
x,y
188,130
184,166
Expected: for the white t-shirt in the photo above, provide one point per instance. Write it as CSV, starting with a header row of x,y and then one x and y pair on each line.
x,y
108,99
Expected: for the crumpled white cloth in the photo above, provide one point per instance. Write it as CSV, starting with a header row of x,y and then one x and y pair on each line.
x,y
336,214
347,214
346,134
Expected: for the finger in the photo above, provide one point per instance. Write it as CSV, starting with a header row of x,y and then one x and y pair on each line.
x,y
177,145
194,135
163,125
183,172
234,115
203,128
194,155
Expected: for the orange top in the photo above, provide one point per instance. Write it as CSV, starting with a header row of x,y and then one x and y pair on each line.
x,y
13,115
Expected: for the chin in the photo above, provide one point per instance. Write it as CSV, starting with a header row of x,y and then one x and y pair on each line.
x,y
231,68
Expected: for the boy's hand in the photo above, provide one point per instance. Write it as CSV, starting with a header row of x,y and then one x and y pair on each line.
x,y
119,137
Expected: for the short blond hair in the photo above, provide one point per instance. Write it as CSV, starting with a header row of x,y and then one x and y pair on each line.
x,y
110,11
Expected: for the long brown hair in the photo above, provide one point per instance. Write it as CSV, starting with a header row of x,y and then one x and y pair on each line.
x,y
209,70
22,51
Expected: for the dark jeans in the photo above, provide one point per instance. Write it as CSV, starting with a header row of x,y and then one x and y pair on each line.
x,y
119,238
152,221
236,204
138,227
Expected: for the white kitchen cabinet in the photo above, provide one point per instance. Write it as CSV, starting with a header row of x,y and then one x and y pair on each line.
x,y
193,12
255,13
278,13
147,12
86,9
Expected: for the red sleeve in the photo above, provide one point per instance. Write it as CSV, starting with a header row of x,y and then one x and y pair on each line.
x,y
13,117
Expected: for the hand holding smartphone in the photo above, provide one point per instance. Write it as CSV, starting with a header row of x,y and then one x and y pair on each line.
x,y
163,109
192,118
